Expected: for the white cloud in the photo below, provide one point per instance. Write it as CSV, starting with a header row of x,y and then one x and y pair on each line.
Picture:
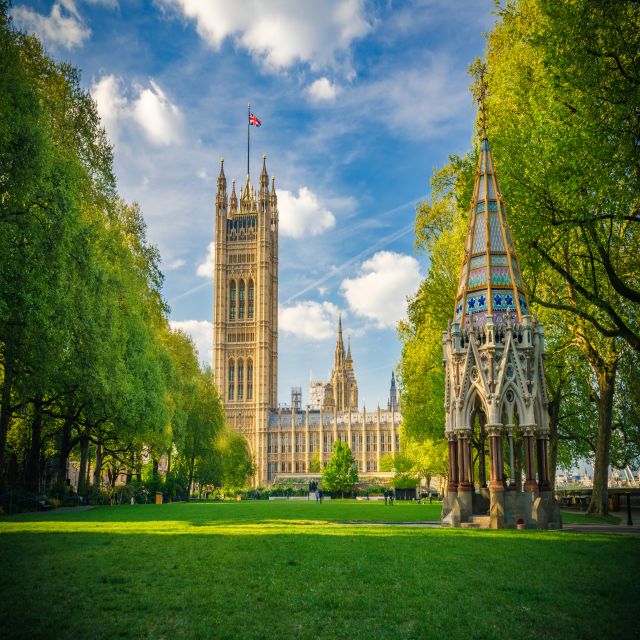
x,y
155,115
160,119
323,291
208,267
110,4
280,33
175,264
201,331
309,320
421,100
323,90
380,292
303,214
63,27
111,104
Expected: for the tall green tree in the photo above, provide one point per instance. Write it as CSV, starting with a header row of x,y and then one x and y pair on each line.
x,y
341,472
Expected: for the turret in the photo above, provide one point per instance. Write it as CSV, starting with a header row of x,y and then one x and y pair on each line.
x,y
221,194
233,202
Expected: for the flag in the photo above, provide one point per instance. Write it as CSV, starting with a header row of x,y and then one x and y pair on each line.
x,y
254,120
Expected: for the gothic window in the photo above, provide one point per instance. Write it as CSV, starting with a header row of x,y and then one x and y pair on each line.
x,y
353,442
231,379
311,441
241,300
397,442
368,465
232,300
282,445
368,443
249,380
250,300
297,446
240,380
382,443
388,442
375,442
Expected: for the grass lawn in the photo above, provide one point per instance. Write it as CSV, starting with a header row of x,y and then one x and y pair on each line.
x,y
301,570
583,518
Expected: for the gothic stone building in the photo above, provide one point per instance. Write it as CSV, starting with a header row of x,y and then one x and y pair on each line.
x,y
495,390
283,442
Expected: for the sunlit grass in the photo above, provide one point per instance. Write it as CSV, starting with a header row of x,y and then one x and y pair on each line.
x,y
301,570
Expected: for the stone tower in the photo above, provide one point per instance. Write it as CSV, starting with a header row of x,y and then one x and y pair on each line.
x,y
343,377
495,394
245,314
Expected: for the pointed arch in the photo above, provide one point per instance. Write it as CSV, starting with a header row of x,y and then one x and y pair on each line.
x,y
250,299
249,379
473,397
232,300
241,300
231,379
240,379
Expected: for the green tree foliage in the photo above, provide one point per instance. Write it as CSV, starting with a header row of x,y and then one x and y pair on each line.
x,y
89,367
341,472
562,104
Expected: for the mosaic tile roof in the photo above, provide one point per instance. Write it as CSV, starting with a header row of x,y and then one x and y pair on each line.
x,y
490,279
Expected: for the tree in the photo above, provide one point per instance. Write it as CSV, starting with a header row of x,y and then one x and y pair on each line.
x,y
341,472
428,458
315,465
562,105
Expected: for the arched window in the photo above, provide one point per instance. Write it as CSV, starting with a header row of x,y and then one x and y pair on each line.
x,y
240,380
231,379
249,378
251,303
241,300
232,300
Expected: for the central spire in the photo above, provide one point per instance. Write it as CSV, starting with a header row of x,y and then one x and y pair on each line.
x,y
490,279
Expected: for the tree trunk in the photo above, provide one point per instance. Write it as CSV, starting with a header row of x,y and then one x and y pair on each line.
x,y
599,497
154,463
191,468
84,459
97,472
32,476
5,409
168,462
64,449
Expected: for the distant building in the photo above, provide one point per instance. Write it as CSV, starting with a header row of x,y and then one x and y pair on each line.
x,y
245,353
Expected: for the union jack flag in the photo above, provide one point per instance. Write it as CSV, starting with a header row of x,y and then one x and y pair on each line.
x,y
254,120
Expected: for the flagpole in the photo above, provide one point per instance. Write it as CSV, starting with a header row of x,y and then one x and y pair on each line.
x,y
248,130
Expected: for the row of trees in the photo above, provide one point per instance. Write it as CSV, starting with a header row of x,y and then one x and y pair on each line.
x,y
562,97
89,366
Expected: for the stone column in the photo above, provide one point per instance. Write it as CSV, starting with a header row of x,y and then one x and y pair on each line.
x,y
543,463
453,462
496,485
528,433
512,471
465,485
482,471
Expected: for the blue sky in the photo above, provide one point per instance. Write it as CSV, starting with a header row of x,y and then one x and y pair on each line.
x,y
359,101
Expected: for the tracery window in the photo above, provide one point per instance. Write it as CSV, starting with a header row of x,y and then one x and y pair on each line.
x,y
250,300
240,380
249,380
232,300
241,300
231,379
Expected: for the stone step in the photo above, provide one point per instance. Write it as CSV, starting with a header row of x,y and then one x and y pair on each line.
x,y
469,525
481,521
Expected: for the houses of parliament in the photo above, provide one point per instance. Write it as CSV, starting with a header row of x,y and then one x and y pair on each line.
x,y
282,441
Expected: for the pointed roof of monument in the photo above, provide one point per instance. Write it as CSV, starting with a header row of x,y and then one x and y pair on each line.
x,y
490,278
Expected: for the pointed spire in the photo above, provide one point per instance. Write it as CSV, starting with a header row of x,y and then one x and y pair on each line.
x,y
221,194
490,279
264,176
339,355
233,202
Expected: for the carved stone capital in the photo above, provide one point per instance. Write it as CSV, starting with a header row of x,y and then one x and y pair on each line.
x,y
493,430
463,434
528,430
451,436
